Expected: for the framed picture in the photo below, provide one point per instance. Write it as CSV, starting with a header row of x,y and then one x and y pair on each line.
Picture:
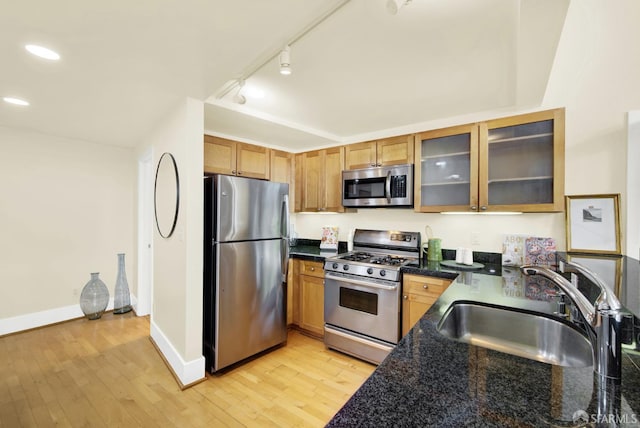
x,y
609,269
593,224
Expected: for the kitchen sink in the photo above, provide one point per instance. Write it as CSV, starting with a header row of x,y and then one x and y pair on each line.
x,y
530,335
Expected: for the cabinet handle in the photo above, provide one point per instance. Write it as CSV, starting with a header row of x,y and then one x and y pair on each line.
x,y
379,164
483,208
239,172
405,297
233,172
426,287
312,269
373,164
474,208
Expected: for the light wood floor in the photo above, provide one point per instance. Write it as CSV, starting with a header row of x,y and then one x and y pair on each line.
x,y
106,372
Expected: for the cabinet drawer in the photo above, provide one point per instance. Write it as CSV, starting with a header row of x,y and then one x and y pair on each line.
x,y
425,285
311,268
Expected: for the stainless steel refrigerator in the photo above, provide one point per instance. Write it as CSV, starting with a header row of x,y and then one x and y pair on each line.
x,y
246,252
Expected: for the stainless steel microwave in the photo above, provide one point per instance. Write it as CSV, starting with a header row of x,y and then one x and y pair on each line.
x,y
385,186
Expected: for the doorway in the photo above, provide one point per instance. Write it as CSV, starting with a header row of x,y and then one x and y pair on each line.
x,y
145,233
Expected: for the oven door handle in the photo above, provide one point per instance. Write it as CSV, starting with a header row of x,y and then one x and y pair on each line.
x,y
360,282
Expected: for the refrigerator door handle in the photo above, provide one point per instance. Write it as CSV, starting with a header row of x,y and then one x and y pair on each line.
x,y
284,243
284,246
284,217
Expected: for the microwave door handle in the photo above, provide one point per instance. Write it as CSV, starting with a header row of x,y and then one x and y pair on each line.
x,y
387,188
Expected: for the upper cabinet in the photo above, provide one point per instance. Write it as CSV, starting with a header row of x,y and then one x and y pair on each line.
x,y
390,151
510,164
282,171
222,156
319,178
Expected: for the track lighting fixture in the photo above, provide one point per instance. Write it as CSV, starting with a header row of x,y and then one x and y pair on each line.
x,y
238,97
285,61
393,6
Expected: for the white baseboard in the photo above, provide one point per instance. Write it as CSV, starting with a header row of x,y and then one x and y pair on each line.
x,y
187,372
43,318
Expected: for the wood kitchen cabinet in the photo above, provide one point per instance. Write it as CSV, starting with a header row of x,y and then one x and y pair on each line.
x,y
222,156
418,294
509,164
308,296
390,151
320,180
282,171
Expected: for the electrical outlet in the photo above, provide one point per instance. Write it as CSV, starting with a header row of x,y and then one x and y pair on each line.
x,y
475,238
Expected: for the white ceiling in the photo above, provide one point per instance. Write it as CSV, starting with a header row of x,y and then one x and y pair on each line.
x,y
359,74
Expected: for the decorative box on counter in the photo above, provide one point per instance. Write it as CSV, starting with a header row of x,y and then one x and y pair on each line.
x,y
520,249
329,238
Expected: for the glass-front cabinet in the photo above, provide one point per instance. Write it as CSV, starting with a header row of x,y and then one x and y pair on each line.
x,y
447,177
509,164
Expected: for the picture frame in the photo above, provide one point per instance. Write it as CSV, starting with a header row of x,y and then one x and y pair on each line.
x,y
609,269
593,224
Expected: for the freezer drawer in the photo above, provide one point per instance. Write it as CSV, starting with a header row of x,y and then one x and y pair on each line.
x,y
249,300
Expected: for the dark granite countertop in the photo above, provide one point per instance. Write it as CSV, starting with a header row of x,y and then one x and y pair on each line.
x,y
430,380
309,249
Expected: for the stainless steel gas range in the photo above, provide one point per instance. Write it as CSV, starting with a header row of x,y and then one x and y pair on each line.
x,y
362,293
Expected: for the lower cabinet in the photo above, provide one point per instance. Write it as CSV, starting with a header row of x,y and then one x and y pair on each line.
x,y
307,294
418,294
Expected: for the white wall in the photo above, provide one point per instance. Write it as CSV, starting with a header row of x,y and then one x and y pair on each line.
x,y
595,77
176,315
66,210
455,231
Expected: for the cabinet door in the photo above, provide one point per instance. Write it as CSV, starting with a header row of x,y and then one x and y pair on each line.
x,y
219,155
281,167
360,155
395,150
281,171
414,306
293,293
298,162
522,162
418,294
312,304
312,177
252,161
332,183
446,172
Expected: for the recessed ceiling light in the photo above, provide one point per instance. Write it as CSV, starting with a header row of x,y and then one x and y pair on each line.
x,y
43,52
16,101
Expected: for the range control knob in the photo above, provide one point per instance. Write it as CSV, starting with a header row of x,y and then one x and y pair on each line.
x,y
345,267
334,266
383,272
370,271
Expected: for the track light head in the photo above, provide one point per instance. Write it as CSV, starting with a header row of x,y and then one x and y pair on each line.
x,y
285,61
238,97
393,6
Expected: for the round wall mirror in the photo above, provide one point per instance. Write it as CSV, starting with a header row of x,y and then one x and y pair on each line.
x,y
166,195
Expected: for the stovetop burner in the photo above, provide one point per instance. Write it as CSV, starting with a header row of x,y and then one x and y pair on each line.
x,y
376,259
378,255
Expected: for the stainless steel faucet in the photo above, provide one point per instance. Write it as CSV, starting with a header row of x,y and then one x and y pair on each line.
x,y
604,317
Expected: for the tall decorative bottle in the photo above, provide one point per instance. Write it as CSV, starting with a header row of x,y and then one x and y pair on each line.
x,y
122,299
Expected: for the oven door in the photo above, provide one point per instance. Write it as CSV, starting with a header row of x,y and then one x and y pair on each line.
x,y
368,307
